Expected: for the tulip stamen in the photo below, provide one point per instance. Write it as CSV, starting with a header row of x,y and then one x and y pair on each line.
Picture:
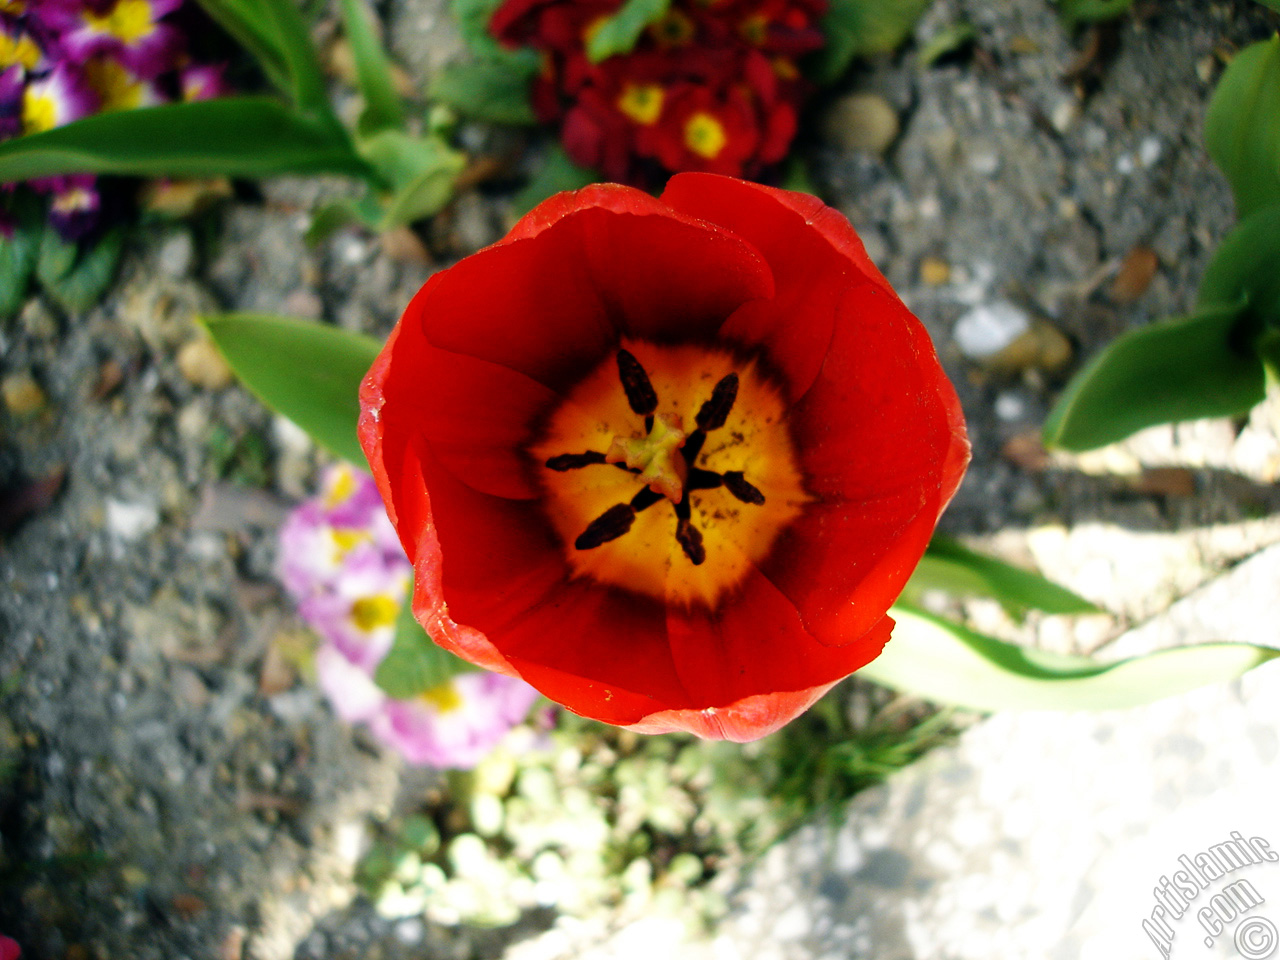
x,y
636,385
688,536
610,525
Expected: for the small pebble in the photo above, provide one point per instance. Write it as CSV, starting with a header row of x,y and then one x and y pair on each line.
x,y
22,395
1135,275
934,271
203,366
987,329
861,122
131,521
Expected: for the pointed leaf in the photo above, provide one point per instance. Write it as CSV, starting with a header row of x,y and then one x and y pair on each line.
x,y
947,663
293,38
256,34
492,90
953,568
859,28
334,216
382,106
240,136
1174,370
18,252
1247,265
1242,126
414,664
619,32
77,274
309,372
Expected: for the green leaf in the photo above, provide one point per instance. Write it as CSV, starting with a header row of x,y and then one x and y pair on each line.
x,y
948,40
472,17
1076,12
421,171
859,28
414,664
493,90
1242,126
76,275
293,39
1180,369
256,34
382,106
241,136
333,216
1268,347
947,663
1273,4
1247,265
558,173
953,568
309,372
796,176
619,32
18,252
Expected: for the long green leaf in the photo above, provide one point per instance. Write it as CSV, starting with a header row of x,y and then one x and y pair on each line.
x,y
951,567
242,136
256,35
1174,370
1075,12
1247,265
18,251
429,191
77,274
493,90
293,36
619,32
382,106
947,663
1242,126
414,664
309,372
859,28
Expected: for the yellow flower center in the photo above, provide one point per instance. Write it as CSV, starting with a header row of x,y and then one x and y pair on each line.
x,y
341,487
128,20
19,49
705,135
622,522
39,112
370,613
119,89
445,698
642,102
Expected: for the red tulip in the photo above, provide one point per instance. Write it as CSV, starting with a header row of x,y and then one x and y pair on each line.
x,y
669,460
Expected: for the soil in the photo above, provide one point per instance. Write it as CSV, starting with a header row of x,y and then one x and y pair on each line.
x,y
171,788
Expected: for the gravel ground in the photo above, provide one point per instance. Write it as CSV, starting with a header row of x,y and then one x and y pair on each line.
x,y
169,788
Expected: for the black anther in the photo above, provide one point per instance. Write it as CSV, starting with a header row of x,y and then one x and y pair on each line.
x,y
713,413
700,479
738,485
690,540
610,525
636,385
573,461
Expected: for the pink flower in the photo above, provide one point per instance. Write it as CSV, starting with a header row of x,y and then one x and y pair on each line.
x,y
9,949
204,81
56,99
343,565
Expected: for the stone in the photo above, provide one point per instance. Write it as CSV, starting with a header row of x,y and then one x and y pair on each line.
x,y
861,122
203,365
23,397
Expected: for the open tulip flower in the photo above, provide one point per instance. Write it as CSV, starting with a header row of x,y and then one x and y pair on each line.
x,y
668,460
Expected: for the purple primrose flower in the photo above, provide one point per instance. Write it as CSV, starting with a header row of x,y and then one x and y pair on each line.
x,y
128,30
343,565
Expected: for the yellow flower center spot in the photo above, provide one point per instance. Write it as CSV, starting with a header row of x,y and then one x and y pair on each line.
x,y
128,20
341,487
18,50
39,112
370,613
742,484
444,698
656,457
642,102
705,135
119,89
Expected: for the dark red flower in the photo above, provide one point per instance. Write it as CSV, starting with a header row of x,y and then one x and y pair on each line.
x,y
669,460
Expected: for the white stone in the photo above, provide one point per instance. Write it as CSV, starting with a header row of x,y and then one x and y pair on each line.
x,y
988,328
131,521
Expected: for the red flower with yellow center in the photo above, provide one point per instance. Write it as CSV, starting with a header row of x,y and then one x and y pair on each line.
x,y
670,460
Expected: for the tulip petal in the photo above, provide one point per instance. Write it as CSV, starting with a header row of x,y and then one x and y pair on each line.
x,y
580,271
756,643
748,719
814,254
